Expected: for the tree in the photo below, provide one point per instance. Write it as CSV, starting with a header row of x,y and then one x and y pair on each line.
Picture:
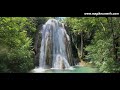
x,y
103,51
79,29
96,39
16,53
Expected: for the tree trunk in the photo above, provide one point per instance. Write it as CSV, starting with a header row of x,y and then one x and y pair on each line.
x,y
81,57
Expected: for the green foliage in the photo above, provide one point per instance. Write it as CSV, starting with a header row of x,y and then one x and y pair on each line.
x,y
100,51
80,26
17,38
100,34
15,46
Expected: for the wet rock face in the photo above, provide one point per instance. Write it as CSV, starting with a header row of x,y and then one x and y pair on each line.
x,y
55,50
37,45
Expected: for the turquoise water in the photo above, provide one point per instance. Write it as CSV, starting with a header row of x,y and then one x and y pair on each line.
x,y
77,69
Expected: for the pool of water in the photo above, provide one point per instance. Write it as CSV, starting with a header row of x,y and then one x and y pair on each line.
x,y
76,69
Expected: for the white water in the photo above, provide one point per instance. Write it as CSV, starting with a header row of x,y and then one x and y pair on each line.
x,y
38,70
54,51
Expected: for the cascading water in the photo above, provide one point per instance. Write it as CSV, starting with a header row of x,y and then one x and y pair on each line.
x,y
55,51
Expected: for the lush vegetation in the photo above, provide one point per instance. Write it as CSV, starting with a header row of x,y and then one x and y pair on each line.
x,y
94,40
97,40
16,43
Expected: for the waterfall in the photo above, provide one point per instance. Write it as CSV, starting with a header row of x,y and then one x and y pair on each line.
x,y
55,51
